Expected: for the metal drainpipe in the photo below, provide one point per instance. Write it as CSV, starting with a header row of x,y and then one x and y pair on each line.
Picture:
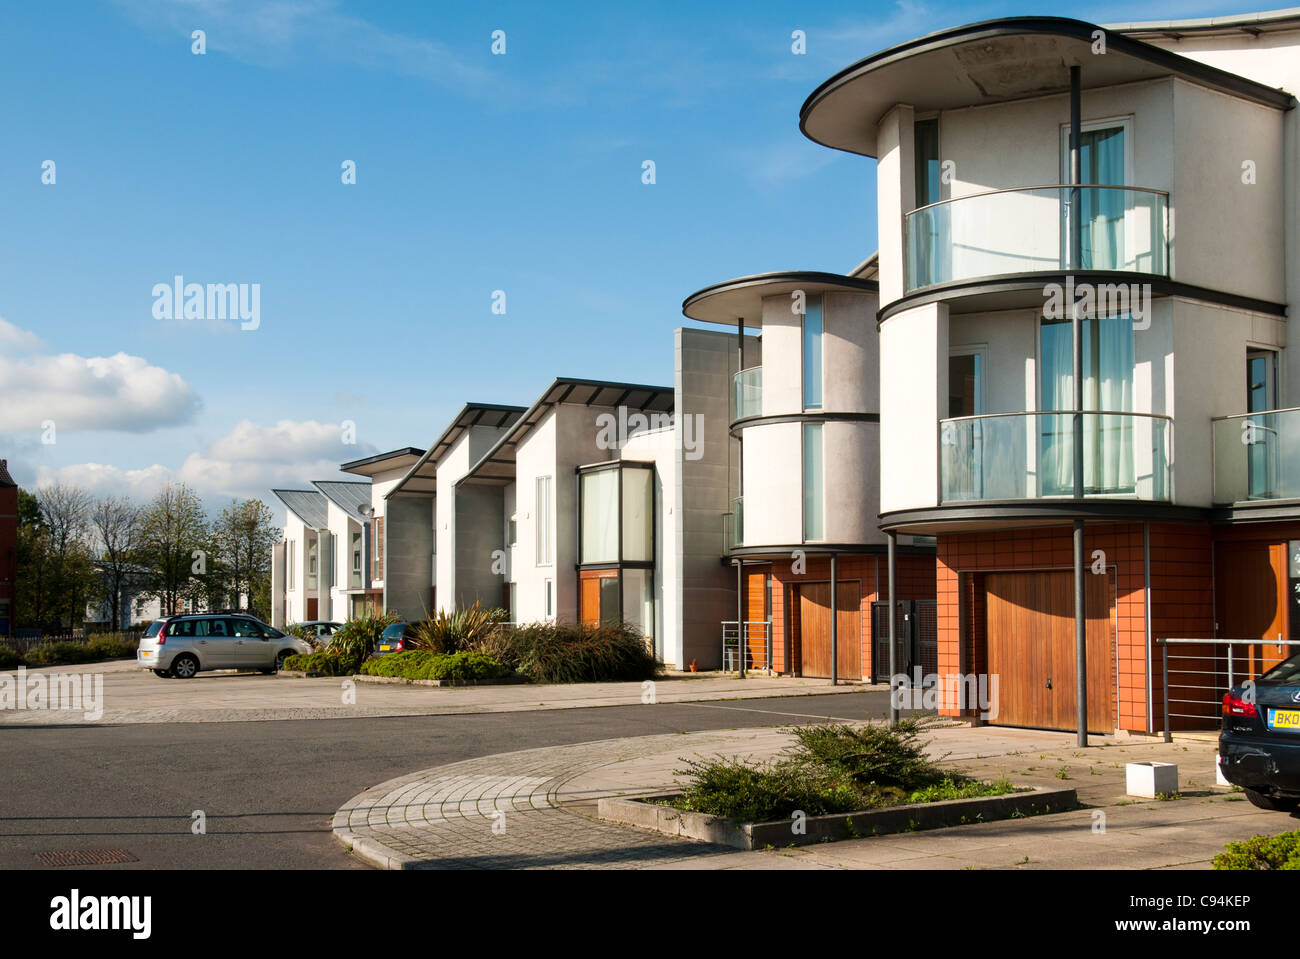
x,y
1076,261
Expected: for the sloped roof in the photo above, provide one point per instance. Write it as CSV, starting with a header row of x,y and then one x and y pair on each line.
x,y
5,478
307,504
422,477
347,495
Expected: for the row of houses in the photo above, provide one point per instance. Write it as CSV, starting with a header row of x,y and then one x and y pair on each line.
x,y
1045,425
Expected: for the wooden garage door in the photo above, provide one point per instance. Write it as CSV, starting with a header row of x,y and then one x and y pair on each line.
x,y
1250,595
815,630
1030,637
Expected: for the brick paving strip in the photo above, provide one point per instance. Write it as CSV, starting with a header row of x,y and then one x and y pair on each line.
x,y
542,802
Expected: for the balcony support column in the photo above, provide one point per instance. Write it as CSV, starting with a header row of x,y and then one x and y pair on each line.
x,y
893,616
740,435
741,637
1076,324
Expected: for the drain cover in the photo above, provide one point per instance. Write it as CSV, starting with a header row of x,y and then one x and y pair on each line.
x,y
83,857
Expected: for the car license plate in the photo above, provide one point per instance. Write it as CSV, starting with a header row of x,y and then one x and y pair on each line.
x,y
1284,718
146,655
385,648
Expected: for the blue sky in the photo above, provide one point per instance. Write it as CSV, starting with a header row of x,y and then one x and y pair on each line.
x,y
474,172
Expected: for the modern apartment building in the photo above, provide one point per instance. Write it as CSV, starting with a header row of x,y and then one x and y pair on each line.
x,y
805,418
1087,251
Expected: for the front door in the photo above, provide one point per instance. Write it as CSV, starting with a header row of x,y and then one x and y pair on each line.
x,y
598,599
1250,603
1030,642
815,630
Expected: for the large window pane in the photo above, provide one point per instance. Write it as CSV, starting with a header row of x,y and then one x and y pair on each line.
x,y
600,516
543,513
638,601
812,354
610,611
812,482
638,515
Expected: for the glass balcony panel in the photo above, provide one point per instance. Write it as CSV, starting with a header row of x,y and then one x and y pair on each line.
x,y
1031,456
1027,231
1257,457
747,393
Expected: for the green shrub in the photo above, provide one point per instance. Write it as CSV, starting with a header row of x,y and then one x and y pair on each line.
x,y
572,652
458,631
878,755
10,658
112,646
321,664
355,640
1261,852
59,654
831,768
420,664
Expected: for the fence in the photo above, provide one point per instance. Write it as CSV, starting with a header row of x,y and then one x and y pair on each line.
x,y
1195,674
758,645
24,640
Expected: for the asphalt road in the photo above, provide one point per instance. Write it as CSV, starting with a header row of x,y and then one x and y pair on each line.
x,y
269,789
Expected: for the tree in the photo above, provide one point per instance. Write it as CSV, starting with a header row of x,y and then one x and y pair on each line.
x,y
115,523
65,515
174,548
243,537
32,604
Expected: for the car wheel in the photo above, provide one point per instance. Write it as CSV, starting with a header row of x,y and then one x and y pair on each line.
x,y
163,673
185,667
1273,803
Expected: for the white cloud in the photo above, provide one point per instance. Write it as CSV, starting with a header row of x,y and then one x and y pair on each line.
x,y
119,392
12,339
248,461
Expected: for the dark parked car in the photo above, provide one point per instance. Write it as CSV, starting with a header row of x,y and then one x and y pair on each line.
x,y
1259,746
395,639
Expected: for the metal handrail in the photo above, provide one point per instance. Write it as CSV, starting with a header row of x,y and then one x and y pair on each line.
x,y
989,416
1242,416
736,646
1045,186
1203,642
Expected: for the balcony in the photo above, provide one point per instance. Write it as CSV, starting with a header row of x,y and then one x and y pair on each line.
x,y
1028,231
747,393
1257,457
1030,456
733,525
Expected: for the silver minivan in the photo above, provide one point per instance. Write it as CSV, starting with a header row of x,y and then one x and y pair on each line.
x,y
184,645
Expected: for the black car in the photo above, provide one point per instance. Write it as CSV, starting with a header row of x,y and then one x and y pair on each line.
x,y
1259,746
395,639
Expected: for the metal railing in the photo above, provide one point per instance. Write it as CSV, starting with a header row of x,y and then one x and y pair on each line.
x,y
1027,230
758,644
1202,675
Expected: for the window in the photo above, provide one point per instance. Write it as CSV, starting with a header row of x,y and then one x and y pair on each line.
x,y
311,564
813,512
512,531
548,587
543,514
1108,464
356,560
1104,161
377,537
926,151
812,354
599,492
966,382
1263,463
289,550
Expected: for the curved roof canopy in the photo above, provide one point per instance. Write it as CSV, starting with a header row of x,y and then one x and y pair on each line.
x,y
991,62
743,297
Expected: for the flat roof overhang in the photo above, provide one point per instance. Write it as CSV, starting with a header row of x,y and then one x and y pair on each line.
x,y
393,459
731,300
991,294
995,61
774,554
497,466
422,477
1019,514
